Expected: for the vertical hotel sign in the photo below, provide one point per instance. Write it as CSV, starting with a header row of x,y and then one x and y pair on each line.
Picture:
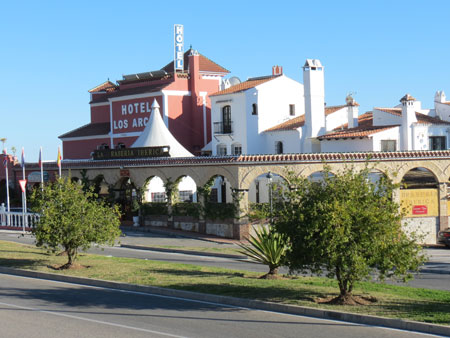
x,y
179,47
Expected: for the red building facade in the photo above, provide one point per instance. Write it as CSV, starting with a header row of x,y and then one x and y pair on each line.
x,y
119,112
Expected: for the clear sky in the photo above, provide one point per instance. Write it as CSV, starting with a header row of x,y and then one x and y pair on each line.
x,y
53,52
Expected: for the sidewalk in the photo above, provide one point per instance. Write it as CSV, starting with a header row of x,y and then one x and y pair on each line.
x,y
172,240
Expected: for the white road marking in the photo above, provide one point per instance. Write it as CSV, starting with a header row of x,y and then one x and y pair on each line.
x,y
217,304
91,320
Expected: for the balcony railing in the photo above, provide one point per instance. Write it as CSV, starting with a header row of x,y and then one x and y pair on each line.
x,y
223,128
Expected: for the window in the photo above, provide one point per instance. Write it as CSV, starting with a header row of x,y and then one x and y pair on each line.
x,y
221,150
158,197
388,145
292,109
254,109
438,143
226,119
278,147
236,149
213,196
186,196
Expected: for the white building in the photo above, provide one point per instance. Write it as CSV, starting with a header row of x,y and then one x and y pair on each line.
x,y
404,127
241,113
275,114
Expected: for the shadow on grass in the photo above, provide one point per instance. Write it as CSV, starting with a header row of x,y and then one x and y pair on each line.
x,y
199,273
21,263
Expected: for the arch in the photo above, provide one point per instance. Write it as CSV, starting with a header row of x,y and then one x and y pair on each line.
x,y
209,172
187,189
433,168
419,177
221,189
154,190
259,189
254,172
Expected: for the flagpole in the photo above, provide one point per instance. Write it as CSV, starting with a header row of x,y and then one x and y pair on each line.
x,y
24,194
5,162
58,161
42,169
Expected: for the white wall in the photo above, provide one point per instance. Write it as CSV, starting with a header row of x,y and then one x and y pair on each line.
x,y
290,139
381,118
390,134
336,119
442,110
347,145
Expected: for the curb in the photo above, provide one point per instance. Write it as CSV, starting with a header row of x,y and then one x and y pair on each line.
x,y
187,252
400,324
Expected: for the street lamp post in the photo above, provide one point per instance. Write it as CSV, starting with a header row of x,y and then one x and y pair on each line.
x,y
269,177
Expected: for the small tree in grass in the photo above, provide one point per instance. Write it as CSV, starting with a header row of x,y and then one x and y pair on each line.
x,y
346,227
73,219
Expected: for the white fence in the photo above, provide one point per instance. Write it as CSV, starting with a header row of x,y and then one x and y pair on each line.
x,y
16,219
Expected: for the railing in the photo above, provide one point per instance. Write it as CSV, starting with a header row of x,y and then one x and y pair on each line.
x,y
18,220
223,128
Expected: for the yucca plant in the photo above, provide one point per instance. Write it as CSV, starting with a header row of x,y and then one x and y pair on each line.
x,y
267,247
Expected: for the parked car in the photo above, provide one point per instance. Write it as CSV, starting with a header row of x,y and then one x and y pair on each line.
x,y
444,237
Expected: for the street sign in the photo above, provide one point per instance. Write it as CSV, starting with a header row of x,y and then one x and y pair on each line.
x,y
23,184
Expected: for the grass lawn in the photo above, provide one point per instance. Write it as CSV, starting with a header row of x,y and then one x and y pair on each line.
x,y
425,305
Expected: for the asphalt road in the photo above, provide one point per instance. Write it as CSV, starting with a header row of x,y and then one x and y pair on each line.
x,y
47,309
439,258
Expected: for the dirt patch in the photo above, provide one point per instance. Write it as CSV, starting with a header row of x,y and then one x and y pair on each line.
x,y
348,300
74,266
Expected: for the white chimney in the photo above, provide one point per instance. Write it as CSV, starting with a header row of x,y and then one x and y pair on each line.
x,y
408,120
352,111
314,87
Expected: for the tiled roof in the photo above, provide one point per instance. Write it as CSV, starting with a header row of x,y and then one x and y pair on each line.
x,y
332,109
282,159
131,91
206,65
91,129
292,124
425,119
421,118
104,86
393,111
363,130
244,85
299,121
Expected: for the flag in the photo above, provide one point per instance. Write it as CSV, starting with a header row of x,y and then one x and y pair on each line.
x,y
5,158
58,160
22,162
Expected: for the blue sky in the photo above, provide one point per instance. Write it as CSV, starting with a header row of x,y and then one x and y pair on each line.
x,y
53,52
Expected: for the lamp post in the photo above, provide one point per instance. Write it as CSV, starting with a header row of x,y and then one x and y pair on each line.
x,y
269,177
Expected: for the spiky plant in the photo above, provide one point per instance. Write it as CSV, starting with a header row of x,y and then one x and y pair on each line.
x,y
267,247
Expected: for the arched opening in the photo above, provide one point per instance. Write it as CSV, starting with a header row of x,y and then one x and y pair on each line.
x,y
319,176
263,193
419,200
154,209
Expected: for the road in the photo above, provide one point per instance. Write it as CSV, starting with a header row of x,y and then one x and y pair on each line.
x,y
47,309
439,258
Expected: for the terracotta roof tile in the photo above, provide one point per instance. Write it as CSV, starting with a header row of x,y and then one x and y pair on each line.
x,y
425,119
244,85
206,65
103,87
332,109
91,129
150,88
363,130
392,111
292,124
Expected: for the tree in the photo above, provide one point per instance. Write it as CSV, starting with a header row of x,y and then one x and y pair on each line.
x,y
347,227
267,247
73,219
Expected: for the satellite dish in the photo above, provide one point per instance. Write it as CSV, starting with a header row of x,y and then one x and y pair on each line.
x,y
234,80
